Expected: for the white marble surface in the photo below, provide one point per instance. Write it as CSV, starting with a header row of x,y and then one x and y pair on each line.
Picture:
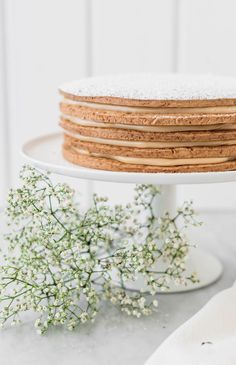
x,y
115,338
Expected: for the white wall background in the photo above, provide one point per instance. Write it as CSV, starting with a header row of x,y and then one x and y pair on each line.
x,y
46,42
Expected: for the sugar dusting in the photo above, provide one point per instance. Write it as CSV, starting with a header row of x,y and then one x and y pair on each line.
x,y
154,87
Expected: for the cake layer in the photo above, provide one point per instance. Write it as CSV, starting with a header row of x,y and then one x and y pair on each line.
x,y
153,90
162,162
147,139
158,111
105,163
146,128
146,118
180,152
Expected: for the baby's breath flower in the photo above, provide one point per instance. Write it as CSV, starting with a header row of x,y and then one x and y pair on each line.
x,y
62,262
155,303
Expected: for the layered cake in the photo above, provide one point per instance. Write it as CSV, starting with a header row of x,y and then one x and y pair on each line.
x,y
150,123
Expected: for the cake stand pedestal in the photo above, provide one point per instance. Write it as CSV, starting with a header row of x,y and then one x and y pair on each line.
x,y
45,153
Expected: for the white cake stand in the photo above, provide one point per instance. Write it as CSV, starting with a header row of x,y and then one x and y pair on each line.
x,y
45,153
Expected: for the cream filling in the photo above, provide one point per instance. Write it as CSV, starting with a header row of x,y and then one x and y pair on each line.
x,y
123,143
90,123
129,109
159,161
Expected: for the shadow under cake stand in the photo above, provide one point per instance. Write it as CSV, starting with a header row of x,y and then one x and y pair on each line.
x,y
45,153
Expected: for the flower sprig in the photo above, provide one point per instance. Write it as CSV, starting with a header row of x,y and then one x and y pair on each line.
x,y
61,262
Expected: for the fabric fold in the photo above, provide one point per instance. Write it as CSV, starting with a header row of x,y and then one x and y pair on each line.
x,y
208,338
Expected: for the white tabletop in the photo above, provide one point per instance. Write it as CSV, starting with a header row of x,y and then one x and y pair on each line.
x,y
116,338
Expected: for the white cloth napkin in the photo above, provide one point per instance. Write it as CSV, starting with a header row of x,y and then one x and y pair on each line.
x,y
208,338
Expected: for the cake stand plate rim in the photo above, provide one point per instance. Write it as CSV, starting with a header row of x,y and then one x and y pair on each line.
x,y
44,152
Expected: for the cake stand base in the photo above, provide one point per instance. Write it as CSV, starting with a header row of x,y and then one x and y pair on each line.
x,y
208,269
206,266
45,153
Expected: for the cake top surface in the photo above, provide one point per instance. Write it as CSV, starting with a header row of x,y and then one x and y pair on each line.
x,y
154,87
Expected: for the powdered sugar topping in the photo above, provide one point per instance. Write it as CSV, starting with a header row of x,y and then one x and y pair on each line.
x,y
154,87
